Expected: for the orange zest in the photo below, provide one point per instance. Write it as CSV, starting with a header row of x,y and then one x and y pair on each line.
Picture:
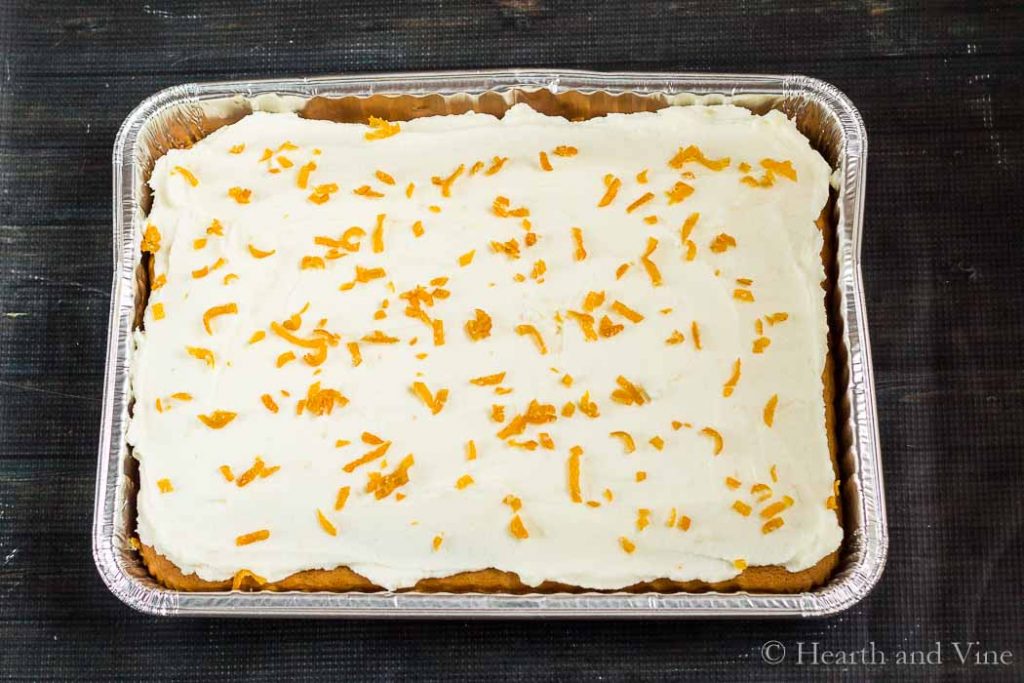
x,y
205,355
268,401
367,457
626,312
586,323
433,401
782,168
574,474
517,528
530,330
211,313
730,384
378,234
769,410
678,193
368,192
612,185
186,174
502,208
688,226
321,401
776,507
380,129
627,440
496,165
629,393
252,537
312,263
322,193
218,419
302,178
722,242
715,437
588,407
326,524
259,253
446,183
382,485
488,380
151,239
640,201
577,237
341,498
480,326
593,300
649,265
240,195
692,154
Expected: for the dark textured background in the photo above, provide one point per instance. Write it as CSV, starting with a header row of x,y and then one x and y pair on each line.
x,y
941,93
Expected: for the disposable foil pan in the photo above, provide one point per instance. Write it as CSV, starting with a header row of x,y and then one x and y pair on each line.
x,y
181,115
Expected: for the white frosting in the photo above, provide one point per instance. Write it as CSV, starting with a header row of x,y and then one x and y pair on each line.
x,y
391,541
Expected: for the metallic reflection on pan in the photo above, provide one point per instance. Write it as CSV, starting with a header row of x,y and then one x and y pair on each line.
x,y
181,115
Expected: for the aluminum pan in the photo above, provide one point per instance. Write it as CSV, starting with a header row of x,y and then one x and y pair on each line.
x,y
185,113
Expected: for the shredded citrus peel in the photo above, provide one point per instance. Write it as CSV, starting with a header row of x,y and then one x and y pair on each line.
x,y
435,402
218,419
373,454
268,401
587,406
649,265
693,154
517,528
488,380
322,193
612,185
382,485
574,474
716,438
531,331
722,243
205,355
629,393
626,312
734,378
502,208
252,537
768,415
259,253
240,195
678,192
580,252
380,128
627,440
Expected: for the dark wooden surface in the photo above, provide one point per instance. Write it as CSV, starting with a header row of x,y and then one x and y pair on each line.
x,y
941,92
